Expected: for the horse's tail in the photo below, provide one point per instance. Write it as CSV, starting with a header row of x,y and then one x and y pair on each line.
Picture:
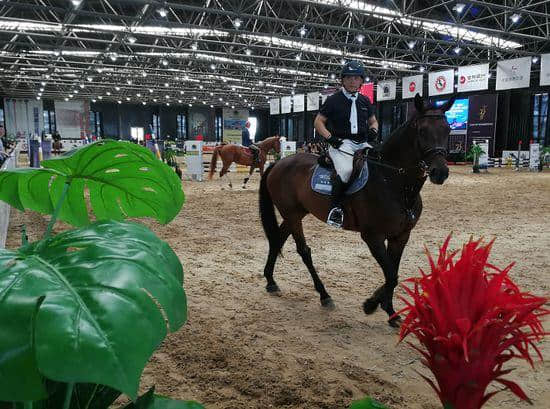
x,y
213,162
267,212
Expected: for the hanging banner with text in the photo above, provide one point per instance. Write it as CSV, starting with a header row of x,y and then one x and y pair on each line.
x,y
441,82
412,85
298,105
23,117
482,116
545,69
286,104
514,73
234,121
386,90
72,118
473,78
274,106
312,101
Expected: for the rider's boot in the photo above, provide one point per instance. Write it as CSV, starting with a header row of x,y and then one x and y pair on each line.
x,y
336,214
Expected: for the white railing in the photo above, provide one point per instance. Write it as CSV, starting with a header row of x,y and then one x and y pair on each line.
x,y
10,163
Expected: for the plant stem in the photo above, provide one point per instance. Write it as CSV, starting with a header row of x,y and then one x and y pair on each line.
x,y
91,397
57,209
68,395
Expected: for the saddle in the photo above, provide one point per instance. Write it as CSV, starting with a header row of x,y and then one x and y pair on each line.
x,y
324,172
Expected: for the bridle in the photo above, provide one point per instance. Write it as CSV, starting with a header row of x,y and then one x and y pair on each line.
x,y
428,154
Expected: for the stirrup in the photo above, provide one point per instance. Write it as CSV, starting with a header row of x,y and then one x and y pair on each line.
x,y
336,217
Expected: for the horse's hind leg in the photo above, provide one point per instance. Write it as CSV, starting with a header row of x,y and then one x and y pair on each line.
x,y
225,171
305,252
274,251
246,179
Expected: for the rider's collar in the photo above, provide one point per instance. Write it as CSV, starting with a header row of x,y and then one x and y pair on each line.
x,y
348,94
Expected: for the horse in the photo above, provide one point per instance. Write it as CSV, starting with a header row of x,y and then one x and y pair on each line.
x,y
243,156
386,209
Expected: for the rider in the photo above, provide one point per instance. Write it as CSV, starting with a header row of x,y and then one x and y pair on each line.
x,y
347,121
246,141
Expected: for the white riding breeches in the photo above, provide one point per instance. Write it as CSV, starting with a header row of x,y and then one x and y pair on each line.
x,y
343,162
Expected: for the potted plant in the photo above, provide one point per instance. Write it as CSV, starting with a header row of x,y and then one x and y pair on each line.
x,y
83,311
544,157
473,154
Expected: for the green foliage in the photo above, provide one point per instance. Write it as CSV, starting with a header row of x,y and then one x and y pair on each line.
x,y
367,403
475,152
170,156
123,180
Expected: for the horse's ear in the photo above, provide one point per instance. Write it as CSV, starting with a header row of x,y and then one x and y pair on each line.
x,y
419,103
447,105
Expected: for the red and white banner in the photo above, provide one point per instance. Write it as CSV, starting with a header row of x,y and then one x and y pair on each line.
x,y
514,73
441,82
412,85
473,77
386,90
545,69
368,91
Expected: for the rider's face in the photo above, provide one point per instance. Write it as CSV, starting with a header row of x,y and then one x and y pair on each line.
x,y
352,83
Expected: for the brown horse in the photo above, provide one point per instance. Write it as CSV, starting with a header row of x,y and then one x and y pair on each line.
x,y
243,156
386,209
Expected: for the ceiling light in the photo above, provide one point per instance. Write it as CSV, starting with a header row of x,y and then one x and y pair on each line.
x,y
181,92
56,53
190,105
66,99
332,76
294,84
411,44
138,95
131,39
260,82
211,94
256,70
535,59
127,98
194,98
154,100
515,17
100,70
90,79
93,100
367,79
211,106
42,89
166,84
248,51
422,69
164,62
117,88
298,57
39,94
99,97
150,91
360,37
204,102
162,12
195,45
212,66
167,97
76,3
81,85
237,22
232,106
120,102
43,83
459,7
342,61
224,80
143,74
38,98
108,93
326,86
227,103
220,99
143,102
201,87
179,101
303,31
168,104
129,82
457,50
113,56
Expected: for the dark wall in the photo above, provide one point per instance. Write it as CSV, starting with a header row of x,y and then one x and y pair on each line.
x,y
262,128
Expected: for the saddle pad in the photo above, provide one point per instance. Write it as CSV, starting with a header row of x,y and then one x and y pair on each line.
x,y
320,180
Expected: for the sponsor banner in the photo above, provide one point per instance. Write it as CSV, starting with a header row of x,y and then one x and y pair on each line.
x,y
386,90
473,78
482,116
286,103
368,91
193,159
298,105
545,69
313,101
412,85
288,148
274,108
234,121
514,73
484,157
441,82
534,156
72,118
201,123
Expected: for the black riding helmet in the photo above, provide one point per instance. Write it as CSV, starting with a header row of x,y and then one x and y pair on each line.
x,y
353,68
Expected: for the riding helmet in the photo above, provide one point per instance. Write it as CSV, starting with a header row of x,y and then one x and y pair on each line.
x,y
353,68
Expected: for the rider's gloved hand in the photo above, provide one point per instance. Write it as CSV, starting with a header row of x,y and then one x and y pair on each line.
x,y
334,141
372,135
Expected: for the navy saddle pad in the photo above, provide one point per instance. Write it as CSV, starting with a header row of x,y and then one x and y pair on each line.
x,y
320,180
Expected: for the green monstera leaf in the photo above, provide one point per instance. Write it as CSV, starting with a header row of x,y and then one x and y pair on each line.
x,y
123,180
86,306
367,403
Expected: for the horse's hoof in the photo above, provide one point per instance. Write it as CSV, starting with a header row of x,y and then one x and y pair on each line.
x,y
370,306
395,322
328,303
272,288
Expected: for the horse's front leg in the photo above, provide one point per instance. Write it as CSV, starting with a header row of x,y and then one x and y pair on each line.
x,y
388,259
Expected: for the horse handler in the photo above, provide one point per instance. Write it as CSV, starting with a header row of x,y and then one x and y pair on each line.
x,y
347,121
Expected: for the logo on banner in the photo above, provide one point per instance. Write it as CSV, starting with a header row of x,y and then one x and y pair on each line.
x,y
440,83
412,86
386,90
462,79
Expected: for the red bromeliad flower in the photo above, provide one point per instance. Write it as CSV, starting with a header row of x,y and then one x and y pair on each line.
x,y
471,318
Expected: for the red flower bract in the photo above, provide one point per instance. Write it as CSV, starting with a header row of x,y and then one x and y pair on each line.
x,y
471,318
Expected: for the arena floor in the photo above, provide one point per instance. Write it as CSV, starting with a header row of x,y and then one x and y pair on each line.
x,y
245,349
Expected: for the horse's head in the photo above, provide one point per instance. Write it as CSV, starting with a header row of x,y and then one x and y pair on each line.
x,y
432,135
278,139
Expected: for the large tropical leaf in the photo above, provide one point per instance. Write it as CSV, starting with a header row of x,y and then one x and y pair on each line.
x,y
123,180
86,306
367,403
152,401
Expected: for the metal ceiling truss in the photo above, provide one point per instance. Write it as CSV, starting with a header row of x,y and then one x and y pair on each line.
x,y
128,51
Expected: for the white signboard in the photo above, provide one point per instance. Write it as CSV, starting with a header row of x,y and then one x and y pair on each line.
x,y
193,159
287,149
534,156
514,73
298,103
473,78
484,157
286,105
24,117
441,82
312,101
274,106
545,69
386,90
412,86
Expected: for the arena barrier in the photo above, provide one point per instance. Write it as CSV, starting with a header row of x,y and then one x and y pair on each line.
x,y
506,163
10,163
